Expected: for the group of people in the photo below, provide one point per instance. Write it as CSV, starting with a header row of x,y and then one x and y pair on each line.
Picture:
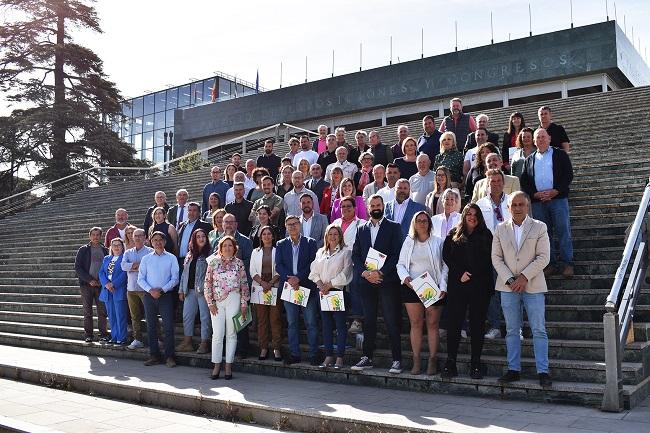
x,y
308,223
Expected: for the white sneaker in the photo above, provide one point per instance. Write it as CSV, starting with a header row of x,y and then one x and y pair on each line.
x,y
135,344
396,368
355,327
493,333
521,334
442,333
463,334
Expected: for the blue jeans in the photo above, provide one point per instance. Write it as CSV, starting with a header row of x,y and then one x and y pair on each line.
x,y
555,214
329,318
356,301
165,307
195,302
534,304
310,316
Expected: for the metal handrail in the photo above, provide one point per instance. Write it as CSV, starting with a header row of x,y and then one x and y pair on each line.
x,y
617,319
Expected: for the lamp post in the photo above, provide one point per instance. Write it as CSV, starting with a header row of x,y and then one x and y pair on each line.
x,y
167,155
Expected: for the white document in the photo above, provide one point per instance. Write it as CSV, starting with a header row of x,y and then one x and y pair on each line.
x,y
333,301
259,297
298,297
511,152
375,260
426,289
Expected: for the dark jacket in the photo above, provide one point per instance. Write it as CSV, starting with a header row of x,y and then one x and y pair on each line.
x,y
562,174
148,219
198,225
473,255
382,154
430,145
82,264
270,162
284,261
317,187
388,241
221,187
470,143
326,158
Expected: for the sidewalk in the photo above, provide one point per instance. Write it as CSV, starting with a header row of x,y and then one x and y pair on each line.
x,y
301,405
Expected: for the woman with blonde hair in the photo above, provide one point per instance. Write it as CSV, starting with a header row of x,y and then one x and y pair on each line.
x,y
422,252
442,182
332,271
450,157
227,294
129,242
217,228
347,190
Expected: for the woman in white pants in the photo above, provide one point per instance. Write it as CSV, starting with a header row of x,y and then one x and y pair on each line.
x,y
227,293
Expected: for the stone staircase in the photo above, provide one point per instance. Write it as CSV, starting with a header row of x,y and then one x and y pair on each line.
x,y
40,305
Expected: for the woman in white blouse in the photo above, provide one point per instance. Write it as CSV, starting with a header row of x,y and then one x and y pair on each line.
x,y
422,252
332,271
447,220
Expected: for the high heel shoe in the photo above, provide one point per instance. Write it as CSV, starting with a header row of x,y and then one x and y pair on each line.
x,y
215,376
277,356
227,376
263,357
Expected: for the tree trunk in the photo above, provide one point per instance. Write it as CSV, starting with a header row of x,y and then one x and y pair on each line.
x,y
59,150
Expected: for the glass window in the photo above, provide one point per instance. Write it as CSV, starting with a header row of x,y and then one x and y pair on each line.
x,y
126,128
172,98
159,138
197,93
170,119
158,154
224,89
161,98
249,91
136,125
126,108
138,154
115,124
148,123
207,89
148,104
159,120
240,90
137,107
147,140
137,141
184,96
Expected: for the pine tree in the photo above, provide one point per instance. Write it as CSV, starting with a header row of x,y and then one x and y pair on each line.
x,y
70,98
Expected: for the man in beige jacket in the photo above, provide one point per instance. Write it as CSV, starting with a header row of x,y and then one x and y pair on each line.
x,y
520,252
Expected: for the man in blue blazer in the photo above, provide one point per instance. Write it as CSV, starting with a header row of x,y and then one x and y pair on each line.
x,y
293,257
384,236
402,209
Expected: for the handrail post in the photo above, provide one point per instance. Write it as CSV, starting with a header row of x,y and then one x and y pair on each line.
x,y
612,398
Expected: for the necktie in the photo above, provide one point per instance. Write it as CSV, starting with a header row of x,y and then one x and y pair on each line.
x,y
180,217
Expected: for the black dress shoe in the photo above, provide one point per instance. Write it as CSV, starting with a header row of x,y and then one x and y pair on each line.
x,y
227,376
449,371
544,380
292,360
510,376
313,361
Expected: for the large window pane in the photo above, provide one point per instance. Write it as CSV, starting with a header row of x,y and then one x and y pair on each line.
x,y
161,101
240,90
172,98
126,128
184,96
126,108
159,120
137,141
249,91
197,93
170,119
137,107
158,154
148,104
224,89
148,123
159,138
207,89
136,125
147,139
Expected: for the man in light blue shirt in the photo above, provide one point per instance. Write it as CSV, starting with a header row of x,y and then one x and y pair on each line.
x,y
158,275
135,294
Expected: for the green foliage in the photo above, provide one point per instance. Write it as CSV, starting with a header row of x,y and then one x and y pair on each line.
x,y
191,161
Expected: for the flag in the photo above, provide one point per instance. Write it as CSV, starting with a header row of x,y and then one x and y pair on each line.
x,y
257,82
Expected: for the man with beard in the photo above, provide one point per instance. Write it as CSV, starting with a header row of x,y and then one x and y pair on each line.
x,y
402,209
329,156
312,224
458,122
384,236
559,137
272,200
269,160
119,229
429,142
306,152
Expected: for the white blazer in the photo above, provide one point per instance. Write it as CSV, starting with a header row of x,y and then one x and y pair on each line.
x,y
436,265
350,235
256,264
437,220
488,214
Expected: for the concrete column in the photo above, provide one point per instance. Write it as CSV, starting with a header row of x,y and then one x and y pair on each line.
x,y
565,90
441,109
383,118
604,83
506,101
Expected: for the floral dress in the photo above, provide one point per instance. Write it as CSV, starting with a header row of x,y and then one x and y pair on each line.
x,y
224,276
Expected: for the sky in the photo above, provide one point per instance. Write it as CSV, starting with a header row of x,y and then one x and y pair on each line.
x,y
148,45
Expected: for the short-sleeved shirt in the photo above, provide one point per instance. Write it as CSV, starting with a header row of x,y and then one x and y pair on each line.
x,y
558,135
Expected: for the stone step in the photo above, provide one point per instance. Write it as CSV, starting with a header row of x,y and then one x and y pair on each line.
x,y
589,313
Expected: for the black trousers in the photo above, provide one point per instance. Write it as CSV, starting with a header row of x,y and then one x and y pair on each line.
x,y
459,299
391,307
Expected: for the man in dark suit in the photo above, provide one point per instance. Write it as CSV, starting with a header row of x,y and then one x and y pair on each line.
x,y
317,184
186,229
293,257
312,225
402,209
178,213
384,236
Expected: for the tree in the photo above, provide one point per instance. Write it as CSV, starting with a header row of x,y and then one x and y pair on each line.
x,y
71,100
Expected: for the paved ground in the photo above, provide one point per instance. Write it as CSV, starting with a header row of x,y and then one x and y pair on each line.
x,y
435,412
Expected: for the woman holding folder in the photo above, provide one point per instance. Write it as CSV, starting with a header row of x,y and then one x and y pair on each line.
x,y
265,278
227,294
422,252
332,271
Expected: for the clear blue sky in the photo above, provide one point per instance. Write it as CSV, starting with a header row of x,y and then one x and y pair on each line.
x,y
148,44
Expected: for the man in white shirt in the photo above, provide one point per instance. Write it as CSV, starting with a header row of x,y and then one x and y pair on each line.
x,y
230,194
341,161
249,182
470,155
423,181
306,152
387,193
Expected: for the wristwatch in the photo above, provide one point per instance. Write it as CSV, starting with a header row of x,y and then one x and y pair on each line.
x,y
510,281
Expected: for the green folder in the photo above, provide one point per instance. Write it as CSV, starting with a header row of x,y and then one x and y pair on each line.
x,y
240,322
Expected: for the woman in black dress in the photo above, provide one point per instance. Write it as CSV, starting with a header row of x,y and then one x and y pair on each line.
x,y
467,252
160,224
